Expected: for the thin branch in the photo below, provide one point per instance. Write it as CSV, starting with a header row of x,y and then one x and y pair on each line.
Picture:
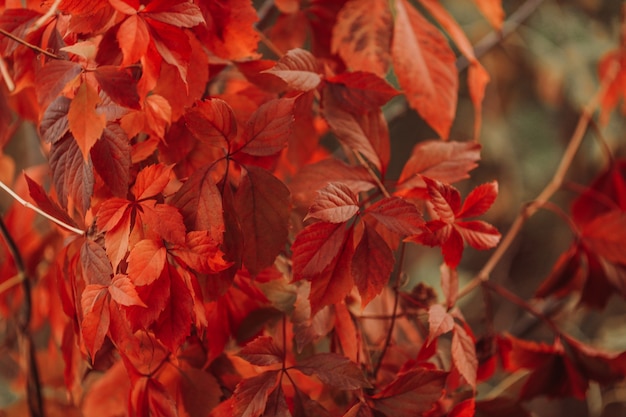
x,y
498,289
11,282
38,210
33,390
271,45
379,184
549,190
264,13
44,18
511,24
6,76
396,299
29,45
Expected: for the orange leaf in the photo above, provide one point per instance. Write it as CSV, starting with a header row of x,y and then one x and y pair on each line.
x,y
362,35
133,38
85,123
425,66
492,10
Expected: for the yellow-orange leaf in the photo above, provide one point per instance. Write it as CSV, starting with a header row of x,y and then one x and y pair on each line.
x,y
425,66
85,123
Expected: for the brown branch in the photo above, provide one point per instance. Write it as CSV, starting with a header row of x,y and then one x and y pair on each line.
x,y
33,390
549,190
29,45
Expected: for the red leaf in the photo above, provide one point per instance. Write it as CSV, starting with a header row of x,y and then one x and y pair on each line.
x,y
262,204
425,66
465,408
119,84
464,355
315,176
180,13
362,35
133,38
479,200
44,202
439,322
123,291
96,316
151,181
449,284
174,323
316,247
446,199
96,266
212,121
299,69
230,30
335,203
72,175
478,234
201,252
165,220
146,261
149,397
84,122
448,162
411,392
346,332
251,394
606,236
372,264
19,22
360,91
397,215
268,129
54,124
349,130
53,78
200,202
334,370
262,351
335,282
111,159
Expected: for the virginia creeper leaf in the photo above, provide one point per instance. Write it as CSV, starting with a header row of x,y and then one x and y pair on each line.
x,y
111,159
146,261
334,370
335,203
372,264
212,121
425,66
439,322
85,123
362,35
464,354
123,291
119,84
251,394
316,247
411,392
262,204
299,69
267,131
360,91
262,351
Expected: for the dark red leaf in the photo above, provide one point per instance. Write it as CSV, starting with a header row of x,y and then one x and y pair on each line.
x,y
111,159
316,247
397,215
267,131
251,394
360,91
262,351
119,84
372,265
44,202
54,124
334,370
411,392
212,121
72,176
262,205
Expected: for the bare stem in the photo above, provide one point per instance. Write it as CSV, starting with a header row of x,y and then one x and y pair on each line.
x,y
6,76
38,210
549,190
33,390
29,45
44,18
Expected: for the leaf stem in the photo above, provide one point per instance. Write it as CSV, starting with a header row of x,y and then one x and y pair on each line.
x,y
38,210
33,387
396,299
557,180
28,45
369,169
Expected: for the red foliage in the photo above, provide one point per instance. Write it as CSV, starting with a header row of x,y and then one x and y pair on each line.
x,y
227,254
